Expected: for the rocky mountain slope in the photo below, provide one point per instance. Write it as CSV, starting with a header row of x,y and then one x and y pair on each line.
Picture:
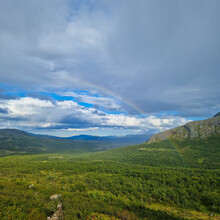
x,y
195,129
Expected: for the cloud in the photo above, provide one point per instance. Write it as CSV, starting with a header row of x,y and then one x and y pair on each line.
x,y
158,55
98,101
3,110
32,113
81,129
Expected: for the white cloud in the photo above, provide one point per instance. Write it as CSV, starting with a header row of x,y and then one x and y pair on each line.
x,y
32,113
106,102
81,129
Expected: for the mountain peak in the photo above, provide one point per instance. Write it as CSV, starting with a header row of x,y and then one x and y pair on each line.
x,y
194,129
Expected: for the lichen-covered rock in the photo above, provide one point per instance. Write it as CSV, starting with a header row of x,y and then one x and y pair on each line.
x,y
31,186
55,196
201,129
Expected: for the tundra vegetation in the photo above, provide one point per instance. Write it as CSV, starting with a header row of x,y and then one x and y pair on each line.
x,y
171,179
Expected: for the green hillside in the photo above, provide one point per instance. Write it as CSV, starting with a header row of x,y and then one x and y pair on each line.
x,y
189,153
164,180
16,142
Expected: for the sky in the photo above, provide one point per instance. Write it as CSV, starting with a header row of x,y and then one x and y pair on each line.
x,y
107,67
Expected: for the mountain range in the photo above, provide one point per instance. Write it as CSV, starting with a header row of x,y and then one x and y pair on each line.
x,y
191,139
13,141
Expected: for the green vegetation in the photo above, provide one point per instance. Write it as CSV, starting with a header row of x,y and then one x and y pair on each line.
x,y
188,153
16,142
165,180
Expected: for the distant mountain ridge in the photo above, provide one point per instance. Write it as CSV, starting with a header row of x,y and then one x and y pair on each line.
x,y
13,141
194,129
127,139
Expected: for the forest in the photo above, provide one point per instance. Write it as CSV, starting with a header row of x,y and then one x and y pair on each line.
x,y
166,180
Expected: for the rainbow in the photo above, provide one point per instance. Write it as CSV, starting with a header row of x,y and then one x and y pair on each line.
x,y
109,93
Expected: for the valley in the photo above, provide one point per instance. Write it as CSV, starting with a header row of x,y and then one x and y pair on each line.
x,y
167,179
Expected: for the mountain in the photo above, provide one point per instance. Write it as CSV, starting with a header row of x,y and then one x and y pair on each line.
x,y
194,145
12,133
116,141
196,129
125,140
86,137
13,141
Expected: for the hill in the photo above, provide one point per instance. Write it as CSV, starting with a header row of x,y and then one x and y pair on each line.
x,y
196,129
194,145
13,141
123,140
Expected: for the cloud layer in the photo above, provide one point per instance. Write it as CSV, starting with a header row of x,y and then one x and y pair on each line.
x,y
32,114
160,56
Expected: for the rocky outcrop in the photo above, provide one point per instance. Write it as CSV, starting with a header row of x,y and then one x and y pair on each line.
x,y
201,129
58,214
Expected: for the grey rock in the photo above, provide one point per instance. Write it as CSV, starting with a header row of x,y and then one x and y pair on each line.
x,y
55,196
31,186
195,129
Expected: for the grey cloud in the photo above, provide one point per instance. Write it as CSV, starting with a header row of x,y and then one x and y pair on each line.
x,y
8,119
4,96
170,52
40,96
159,55
99,112
3,110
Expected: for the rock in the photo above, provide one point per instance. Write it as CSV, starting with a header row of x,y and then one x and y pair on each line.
x,y
31,186
201,129
54,197
58,215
